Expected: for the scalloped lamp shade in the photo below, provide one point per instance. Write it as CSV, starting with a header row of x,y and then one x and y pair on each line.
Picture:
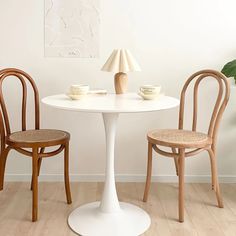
x,y
121,61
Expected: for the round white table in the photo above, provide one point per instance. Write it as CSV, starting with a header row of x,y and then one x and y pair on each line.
x,y
110,217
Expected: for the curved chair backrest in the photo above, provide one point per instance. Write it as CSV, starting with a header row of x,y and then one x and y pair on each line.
x,y
221,100
23,77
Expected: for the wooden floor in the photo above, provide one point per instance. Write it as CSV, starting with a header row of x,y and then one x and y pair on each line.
x,y
202,217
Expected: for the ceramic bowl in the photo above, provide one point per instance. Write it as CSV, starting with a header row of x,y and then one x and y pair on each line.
x,y
150,89
150,96
79,89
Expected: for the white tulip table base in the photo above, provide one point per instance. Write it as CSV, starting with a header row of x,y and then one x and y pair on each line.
x,y
90,220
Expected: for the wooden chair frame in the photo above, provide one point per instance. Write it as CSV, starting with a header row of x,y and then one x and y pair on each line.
x,y
38,149
178,152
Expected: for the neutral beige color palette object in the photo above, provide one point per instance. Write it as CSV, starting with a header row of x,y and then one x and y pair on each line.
x,y
120,62
31,143
186,143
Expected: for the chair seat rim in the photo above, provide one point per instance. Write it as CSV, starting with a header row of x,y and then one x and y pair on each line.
x,y
31,144
198,144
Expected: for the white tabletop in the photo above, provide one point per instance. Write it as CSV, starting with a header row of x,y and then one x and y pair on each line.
x,y
111,103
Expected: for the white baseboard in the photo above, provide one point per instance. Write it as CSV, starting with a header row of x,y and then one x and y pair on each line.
x,y
120,178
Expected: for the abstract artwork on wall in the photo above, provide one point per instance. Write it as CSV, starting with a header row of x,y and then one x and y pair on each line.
x,y
72,28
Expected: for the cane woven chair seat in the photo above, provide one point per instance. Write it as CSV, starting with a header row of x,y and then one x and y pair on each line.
x,y
41,138
178,138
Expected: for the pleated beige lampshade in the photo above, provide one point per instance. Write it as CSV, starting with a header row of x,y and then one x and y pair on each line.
x,y
121,60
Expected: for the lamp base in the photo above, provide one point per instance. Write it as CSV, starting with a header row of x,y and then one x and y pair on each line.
x,y
121,82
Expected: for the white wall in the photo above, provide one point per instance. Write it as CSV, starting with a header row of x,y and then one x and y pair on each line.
x,y
170,39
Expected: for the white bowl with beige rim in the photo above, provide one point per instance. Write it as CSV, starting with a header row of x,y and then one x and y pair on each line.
x,y
79,89
150,89
149,92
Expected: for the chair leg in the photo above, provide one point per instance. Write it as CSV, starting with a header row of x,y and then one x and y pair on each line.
x,y
176,162
66,173
213,174
39,166
181,184
149,173
215,181
35,185
3,159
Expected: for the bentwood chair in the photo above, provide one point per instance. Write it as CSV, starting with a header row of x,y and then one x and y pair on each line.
x,y
186,143
31,143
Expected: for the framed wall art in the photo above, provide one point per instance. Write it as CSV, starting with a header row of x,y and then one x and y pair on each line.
x,y
72,28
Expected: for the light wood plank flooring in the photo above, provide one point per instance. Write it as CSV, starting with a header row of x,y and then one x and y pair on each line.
x,y
202,217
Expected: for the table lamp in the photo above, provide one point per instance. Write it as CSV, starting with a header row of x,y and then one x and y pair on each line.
x,y
121,61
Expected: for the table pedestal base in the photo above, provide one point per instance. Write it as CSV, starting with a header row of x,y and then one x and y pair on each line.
x,y
89,220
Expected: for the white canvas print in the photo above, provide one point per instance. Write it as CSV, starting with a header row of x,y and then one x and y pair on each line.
x,y
72,28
